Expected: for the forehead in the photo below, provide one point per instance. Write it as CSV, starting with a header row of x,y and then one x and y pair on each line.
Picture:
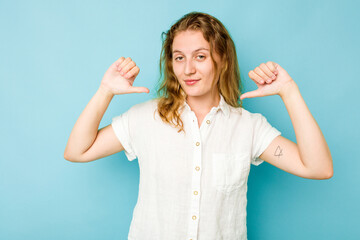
x,y
189,40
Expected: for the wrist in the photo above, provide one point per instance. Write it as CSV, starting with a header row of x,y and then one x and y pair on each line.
x,y
105,91
289,90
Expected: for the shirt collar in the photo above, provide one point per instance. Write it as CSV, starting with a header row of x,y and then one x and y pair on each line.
x,y
223,106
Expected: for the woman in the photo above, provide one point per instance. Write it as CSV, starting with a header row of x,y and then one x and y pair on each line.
x,y
195,142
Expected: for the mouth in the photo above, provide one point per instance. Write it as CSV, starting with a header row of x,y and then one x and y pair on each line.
x,y
191,81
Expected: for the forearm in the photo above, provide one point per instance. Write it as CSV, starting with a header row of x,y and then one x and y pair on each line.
x,y
86,127
314,151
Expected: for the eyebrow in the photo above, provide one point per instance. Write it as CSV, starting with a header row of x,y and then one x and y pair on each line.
x,y
193,51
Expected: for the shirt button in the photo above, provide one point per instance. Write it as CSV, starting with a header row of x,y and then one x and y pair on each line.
x,y
194,217
195,192
208,121
197,168
197,143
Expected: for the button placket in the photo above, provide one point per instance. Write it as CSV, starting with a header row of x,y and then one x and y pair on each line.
x,y
197,134
205,127
196,178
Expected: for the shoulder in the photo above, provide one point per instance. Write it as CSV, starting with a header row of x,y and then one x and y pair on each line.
x,y
240,111
146,105
246,114
143,109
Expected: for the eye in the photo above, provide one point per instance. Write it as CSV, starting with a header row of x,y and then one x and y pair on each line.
x,y
201,56
177,58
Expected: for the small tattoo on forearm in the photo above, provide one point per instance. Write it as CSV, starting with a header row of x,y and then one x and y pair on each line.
x,y
278,152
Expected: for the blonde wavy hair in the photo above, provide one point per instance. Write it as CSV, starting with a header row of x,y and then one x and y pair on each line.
x,y
170,94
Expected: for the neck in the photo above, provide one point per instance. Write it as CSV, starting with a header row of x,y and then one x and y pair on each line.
x,y
201,105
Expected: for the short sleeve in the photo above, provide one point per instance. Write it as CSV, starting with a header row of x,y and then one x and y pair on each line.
x,y
263,135
122,130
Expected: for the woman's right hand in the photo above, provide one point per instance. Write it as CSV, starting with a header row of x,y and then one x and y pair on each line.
x,y
120,76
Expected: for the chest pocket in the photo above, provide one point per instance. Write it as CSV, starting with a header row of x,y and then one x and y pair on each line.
x,y
230,171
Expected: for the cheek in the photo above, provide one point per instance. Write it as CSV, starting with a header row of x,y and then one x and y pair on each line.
x,y
177,70
206,68
206,71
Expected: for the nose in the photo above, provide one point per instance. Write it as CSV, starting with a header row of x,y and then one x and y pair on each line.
x,y
190,67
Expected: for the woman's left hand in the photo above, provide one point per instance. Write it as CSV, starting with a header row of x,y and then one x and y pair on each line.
x,y
271,79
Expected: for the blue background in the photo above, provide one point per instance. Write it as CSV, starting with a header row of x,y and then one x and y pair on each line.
x,y
53,56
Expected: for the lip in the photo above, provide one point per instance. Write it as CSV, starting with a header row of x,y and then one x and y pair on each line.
x,y
191,81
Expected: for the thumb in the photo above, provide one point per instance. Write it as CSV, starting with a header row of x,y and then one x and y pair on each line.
x,y
252,94
139,90
278,67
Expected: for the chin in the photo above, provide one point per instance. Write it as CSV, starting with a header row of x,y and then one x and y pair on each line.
x,y
194,93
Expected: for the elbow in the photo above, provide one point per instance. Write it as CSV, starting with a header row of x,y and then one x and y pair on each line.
x,y
69,157
329,174
321,175
326,172
74,158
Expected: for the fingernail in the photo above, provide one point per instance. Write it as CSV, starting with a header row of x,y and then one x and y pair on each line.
x,y
262,81
273,76
268,81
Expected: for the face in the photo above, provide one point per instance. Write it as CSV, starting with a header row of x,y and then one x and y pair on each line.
x,y
192,61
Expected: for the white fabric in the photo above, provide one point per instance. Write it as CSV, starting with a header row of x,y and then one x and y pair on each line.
x,y
190,191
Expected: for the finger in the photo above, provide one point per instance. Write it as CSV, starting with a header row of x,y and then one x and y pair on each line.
x,y
260,72
256,77
126,61
118,62
267,71
139,90
127,67
133,72
252,94
272,67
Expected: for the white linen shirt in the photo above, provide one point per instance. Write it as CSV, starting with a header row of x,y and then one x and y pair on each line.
x,y
192,186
